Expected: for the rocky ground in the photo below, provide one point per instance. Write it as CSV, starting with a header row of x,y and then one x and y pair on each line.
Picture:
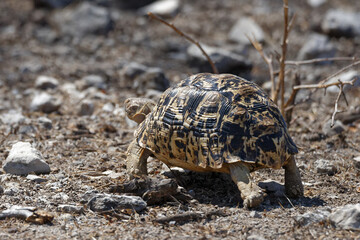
x,y
65,72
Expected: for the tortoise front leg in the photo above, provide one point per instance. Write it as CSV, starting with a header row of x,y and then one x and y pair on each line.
x,y
136,161
293,185
251,193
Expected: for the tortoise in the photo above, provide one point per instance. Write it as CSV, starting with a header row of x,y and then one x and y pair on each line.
x,y
215,123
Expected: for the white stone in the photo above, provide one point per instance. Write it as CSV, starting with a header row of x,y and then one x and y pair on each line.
x,y
70,208
316,3
24,159
45,82
12,117
246,27
312,217
35,178
344,77
347,217
357,162
162,7
105,202
45,102
325,166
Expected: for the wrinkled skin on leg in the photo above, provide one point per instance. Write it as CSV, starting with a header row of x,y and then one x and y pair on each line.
x,y
251,193
138,108
293,185
136,161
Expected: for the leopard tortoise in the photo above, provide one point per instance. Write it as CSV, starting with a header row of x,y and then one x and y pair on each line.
x,y
215,122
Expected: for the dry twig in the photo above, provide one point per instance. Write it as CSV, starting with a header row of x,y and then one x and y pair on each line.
x,y
187,37
336,103
190,216
316,60
268,61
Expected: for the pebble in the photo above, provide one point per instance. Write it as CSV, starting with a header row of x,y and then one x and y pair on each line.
x,y
246,27
11,191
273,187
108,107
87,108
106,202
152,78
46,82
357,162
164,8
224,60
70,208
45,122
325,166
92,81
126,4
317,46
52,3
341,23
1,190
12,117
24,159
344,77
35,178
142,78
83,19
254,214
316,3
45,102
310,218
335,130
347,217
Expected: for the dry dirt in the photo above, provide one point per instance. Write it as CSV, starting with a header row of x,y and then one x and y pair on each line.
x,y
80,148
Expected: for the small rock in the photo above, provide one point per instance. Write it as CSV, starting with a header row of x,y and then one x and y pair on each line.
x,y
246,27
108,107
45,122
45,102
52,3
152,78
12,117
11,191
1,190
357,162
126,4
24,159
255,237
92,81
70,208
83,19
27,130
316,3
45,82
254,214
106,202
18,212
347,217
335,130
309,218
86,108
340,23
130,71
162,7
317,46
344,77
325,166
45,35
273,187
153,94
35,178
225,61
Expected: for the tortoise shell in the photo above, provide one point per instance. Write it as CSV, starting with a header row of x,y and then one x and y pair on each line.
x,y
209,120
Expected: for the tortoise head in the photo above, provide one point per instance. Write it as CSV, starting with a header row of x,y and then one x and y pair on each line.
x,y
138,108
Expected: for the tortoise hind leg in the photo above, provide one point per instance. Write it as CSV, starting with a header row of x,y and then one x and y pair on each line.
x,y
136,161
251,193
293,185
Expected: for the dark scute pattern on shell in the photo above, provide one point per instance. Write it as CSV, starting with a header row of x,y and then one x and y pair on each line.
x,y
209,119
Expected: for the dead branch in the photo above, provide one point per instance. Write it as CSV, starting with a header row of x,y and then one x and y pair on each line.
x,y
320,85
317,60
336,103
340,71
281,84
187,37
189,216
268,61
